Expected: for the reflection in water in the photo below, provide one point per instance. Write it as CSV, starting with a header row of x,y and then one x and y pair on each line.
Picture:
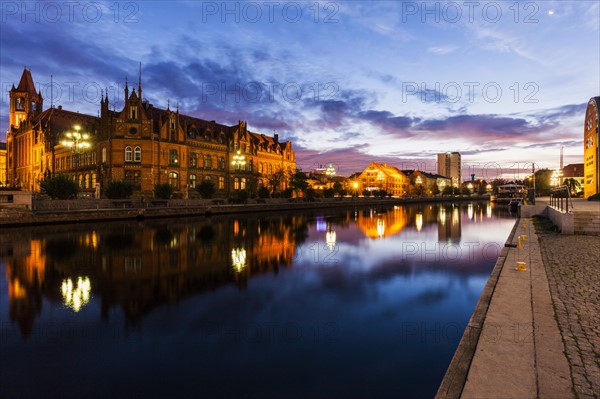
x,y
76,296
363,274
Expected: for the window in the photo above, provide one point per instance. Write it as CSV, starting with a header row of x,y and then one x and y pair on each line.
x,y
193,160
208,161
208,178
137,154
260,168
270,168
221,183
103,154
192,181
222,163
173,157
172,122
174,179
243,185
128,154
236,184
20,104
134,177
133,112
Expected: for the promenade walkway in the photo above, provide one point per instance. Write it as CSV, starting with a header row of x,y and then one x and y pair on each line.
x,y
534,333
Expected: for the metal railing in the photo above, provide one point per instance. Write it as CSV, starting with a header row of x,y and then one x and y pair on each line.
x,y
560,198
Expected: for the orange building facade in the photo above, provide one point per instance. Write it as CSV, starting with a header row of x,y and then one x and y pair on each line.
x,y
142,144
591,148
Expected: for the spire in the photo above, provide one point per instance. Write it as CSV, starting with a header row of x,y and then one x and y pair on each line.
x,y
140,82
126,90
168,104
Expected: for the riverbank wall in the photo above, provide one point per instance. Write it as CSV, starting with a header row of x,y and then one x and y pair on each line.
x,y
84,211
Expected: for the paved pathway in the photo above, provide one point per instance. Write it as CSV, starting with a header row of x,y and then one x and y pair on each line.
x,y
573,270
534,333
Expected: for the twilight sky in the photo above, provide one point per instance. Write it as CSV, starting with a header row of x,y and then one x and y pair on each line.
x,y
505,83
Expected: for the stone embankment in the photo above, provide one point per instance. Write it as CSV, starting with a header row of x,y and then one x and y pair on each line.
x,y
90,210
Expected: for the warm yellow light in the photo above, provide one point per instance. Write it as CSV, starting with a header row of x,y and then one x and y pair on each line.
x,y
76,296
355,185
419,221
330,239
380,227
238,259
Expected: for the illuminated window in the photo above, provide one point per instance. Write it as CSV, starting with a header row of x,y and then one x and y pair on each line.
x,y
207,178
221,183
221,163
236,184
192,181
243,185
260,168
193,160
103,154
174,179
128,154
133,112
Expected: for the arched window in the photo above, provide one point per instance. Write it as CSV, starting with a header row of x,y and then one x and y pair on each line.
x,y
260,167
128,154
270,168
174,179
221,183
222,163
192,181
137,154
207,178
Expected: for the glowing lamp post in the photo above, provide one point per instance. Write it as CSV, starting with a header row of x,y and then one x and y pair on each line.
x,y
77,142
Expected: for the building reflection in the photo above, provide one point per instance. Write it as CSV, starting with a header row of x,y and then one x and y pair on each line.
x,y
136,267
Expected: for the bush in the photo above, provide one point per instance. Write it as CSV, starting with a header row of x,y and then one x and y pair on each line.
x,y
263,192
328,192
595,197
242,196
59,187
163,191
310,194
118,189
287,193
206,189
367,193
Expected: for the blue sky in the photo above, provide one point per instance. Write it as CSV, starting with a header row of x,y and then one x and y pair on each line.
x,y
504,83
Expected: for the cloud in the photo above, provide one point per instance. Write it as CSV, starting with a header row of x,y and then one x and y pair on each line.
x,y
442,50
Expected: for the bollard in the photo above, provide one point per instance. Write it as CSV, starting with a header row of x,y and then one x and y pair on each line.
x,y
521,267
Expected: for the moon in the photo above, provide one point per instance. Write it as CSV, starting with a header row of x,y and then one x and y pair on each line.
x,y
550,12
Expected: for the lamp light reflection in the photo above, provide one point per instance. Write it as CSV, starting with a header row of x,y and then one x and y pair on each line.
x,y
238,259
76,296
419,221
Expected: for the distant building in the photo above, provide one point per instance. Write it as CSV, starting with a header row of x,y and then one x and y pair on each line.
x,y
449,165
140,143
378,176
427,181
3,164
591,148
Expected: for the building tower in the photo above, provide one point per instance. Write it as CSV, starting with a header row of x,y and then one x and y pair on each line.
x,y
24,101
449,165
591,149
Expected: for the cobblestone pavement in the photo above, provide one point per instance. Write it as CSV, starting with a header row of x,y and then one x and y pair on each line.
x,y
573,268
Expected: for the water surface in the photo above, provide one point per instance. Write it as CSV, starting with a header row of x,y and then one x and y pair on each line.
x,y
354,303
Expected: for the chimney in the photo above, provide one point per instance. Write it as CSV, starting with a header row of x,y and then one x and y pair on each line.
x,y
276,138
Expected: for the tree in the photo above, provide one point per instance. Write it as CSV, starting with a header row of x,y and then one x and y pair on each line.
x,y
574,185
263,192
498,182
482,187
118,189
298,181
465,190
274,180
337,187
163,190
206,189
435,190
328,193
366,193
59,187
448,190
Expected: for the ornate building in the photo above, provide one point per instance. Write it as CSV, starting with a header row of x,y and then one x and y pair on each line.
x,y
591,148
379,176
141,143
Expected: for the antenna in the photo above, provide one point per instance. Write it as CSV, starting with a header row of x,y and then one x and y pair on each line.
x,y
51,93
140,77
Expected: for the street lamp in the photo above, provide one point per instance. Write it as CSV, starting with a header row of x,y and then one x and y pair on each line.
x,y
238,162
77,143
355,187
